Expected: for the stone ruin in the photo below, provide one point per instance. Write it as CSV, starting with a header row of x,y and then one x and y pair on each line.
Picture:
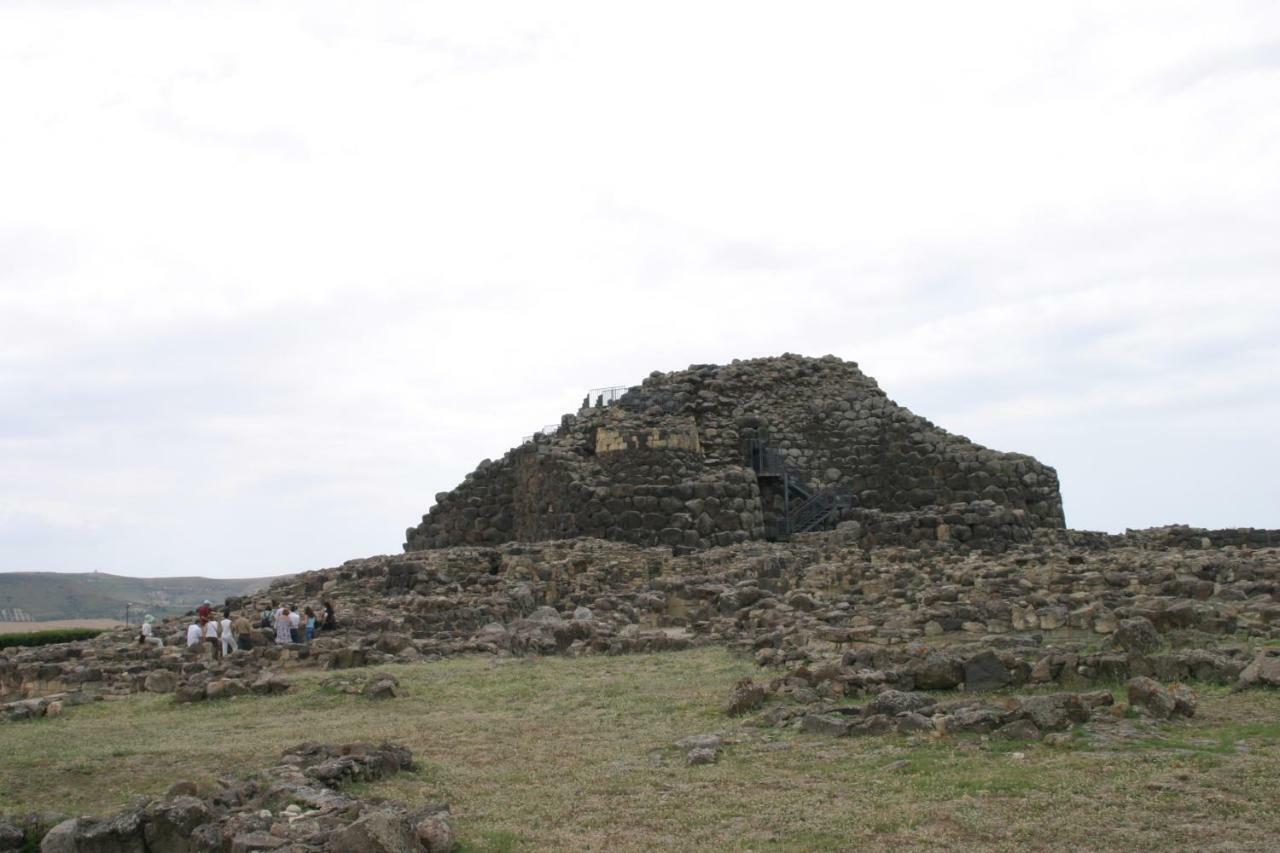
x,y
756,449
940,594
296,806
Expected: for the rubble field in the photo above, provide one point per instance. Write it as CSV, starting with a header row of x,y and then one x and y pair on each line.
x,y
1080,689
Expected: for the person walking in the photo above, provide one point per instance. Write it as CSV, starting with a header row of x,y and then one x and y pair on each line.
x,y
282,625
295,621
310,626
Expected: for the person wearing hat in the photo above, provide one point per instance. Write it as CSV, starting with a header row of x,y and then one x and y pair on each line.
x,y
205,610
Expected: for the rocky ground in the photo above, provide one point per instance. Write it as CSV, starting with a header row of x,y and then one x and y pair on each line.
x,y
849,640
295,805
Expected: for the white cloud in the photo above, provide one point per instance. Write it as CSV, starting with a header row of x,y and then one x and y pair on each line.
x,y
271,275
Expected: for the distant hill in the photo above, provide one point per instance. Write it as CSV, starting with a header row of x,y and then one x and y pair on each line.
x,y
42,596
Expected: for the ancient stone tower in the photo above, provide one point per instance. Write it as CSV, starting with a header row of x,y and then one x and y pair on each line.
x,y
761,448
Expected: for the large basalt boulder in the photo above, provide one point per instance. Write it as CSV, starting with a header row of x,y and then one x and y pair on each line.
x,y
431,825
224,688
1262,671
170,824
161,681
379,831
832,725
12,838
985,671
1055,712
1136,636
894,702
1159,701
938,671
120,834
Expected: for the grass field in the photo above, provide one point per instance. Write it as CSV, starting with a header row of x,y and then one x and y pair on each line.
x,y
562,753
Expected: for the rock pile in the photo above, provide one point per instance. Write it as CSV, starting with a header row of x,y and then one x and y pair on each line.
x,y
1027,717
1067,608
296,806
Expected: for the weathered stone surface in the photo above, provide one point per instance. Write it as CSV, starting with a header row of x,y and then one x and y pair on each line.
x,y
985,671
1056,711
1159,701
435,833
12,838
224,688
825,724
1137,636
702,756
746,696
894,702
62,838
161,681
1263,670
170,824
913,723
1017,730
873,724
380,831
939,671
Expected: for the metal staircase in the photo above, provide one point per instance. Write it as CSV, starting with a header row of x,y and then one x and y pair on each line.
x,y
805,508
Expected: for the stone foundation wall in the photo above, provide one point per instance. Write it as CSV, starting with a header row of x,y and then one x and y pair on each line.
x,y
980,525
1182,536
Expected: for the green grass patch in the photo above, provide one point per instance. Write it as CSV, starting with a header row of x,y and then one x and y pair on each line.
x,y
46,638
565,753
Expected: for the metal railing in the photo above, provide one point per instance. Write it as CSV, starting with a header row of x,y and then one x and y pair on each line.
x,y
762,459
549,429
805,508
600,397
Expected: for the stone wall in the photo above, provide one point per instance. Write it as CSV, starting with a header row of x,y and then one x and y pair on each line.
x,y
978,525
664,465
637,493
838,429
1182,536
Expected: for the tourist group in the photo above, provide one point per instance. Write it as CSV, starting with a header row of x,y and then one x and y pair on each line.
x,y
220,637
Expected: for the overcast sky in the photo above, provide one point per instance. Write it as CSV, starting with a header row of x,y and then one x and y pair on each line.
x,y
272,275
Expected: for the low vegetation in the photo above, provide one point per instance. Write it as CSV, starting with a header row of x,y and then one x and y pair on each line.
x,y
574,753
45,638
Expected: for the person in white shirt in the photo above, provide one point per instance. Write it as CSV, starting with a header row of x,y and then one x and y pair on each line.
x,y
211,636
224,628
295,619
194,635
148,637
